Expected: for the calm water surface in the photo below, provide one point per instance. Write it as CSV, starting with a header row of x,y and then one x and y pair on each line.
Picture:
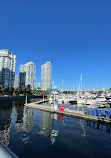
x,y
32,134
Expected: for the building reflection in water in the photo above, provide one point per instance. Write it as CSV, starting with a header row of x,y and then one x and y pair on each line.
x,y
47,126
81,122
53,132
45,123
24,118
5,124
24,121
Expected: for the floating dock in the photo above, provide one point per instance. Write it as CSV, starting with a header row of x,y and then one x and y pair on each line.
x,y
41,101
67,112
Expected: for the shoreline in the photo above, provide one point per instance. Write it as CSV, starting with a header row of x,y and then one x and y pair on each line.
x,y
15,97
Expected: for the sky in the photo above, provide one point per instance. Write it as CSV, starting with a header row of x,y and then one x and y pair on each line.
x,y
74,35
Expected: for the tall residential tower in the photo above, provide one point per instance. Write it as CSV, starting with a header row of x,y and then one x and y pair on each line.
x,y
7,69
27,75
46,76
16,82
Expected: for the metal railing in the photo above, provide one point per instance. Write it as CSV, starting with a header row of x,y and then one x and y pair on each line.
x,y
5,152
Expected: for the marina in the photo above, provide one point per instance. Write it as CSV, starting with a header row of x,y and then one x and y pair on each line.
x,y
48,133
67,112
55,81
84,97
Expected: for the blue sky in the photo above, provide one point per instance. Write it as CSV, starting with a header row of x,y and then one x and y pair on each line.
x,y
74,35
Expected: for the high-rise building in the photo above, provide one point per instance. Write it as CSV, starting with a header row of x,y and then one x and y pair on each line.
x,y
22,75
7,69
46,76
27,75
38,85
16,82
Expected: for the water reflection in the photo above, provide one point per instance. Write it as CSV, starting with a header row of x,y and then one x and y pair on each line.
x,y
24,120
53,132
23,117
83,128
5,124
99,126
47,126
14,116
45,123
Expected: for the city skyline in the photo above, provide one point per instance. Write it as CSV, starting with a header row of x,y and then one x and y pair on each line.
x,y
70,87
74,36
27,73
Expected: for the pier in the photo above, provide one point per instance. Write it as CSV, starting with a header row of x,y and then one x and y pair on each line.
x,y
41,101
66,112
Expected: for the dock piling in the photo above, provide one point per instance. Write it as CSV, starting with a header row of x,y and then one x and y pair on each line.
x,y
26,100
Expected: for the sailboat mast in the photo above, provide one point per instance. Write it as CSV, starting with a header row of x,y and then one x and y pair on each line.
x,y
62,86
81,81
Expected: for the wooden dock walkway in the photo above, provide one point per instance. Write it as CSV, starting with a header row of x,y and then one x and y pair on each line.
x,y
66,112
41,101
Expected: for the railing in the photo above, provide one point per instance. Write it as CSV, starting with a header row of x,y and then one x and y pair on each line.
x,y
6,152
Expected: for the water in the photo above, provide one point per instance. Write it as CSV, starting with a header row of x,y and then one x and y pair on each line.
x,y
32,134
